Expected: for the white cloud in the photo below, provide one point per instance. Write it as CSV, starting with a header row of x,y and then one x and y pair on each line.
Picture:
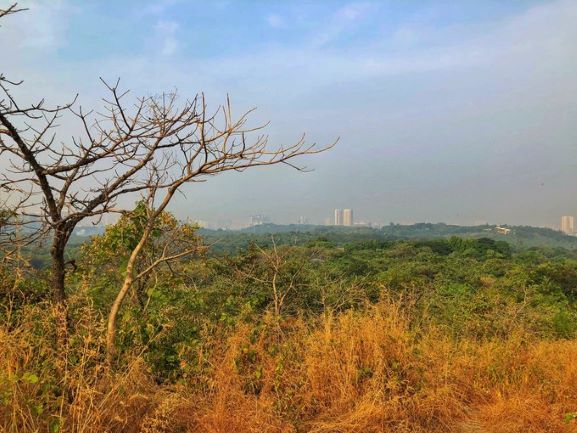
x,y
517,44
354,11
343,20
158,7
166,33
275,21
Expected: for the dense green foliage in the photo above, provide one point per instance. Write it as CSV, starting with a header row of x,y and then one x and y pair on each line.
x,y
235,241
519,237
478,288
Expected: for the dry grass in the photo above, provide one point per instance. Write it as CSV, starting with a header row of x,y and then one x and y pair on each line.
x,y
364,371
42,389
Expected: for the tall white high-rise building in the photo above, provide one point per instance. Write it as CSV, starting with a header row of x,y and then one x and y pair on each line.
x,y
302,220
256,220
338,217
347,217
567,225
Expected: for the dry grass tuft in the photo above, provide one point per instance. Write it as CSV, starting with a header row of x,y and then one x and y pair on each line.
x,y
362,371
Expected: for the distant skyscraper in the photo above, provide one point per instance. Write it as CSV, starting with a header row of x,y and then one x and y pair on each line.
x,y
256,220
338,217
567,225
348,217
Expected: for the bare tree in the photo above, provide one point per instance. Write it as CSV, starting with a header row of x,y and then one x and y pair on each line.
x,y
277,272
12,9
148,145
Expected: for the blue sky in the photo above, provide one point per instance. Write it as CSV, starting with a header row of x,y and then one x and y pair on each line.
x,y
461,111
212,29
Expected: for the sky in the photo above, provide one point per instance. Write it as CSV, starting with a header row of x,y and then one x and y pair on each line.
x,y
459,112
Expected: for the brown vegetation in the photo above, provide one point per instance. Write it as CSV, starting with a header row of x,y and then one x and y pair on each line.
x,y
364,371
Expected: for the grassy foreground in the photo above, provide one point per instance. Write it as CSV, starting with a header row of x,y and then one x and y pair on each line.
x,y
369,370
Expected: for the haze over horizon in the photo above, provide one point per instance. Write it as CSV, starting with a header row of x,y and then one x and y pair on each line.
x,y
462,113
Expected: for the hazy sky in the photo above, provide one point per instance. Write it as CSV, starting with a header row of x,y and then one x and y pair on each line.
x,y
454,111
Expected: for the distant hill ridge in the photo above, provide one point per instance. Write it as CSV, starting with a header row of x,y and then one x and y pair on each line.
x,y
518,236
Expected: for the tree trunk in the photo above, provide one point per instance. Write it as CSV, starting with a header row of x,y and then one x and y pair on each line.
x,y
111,325
59,293
128,281
58,269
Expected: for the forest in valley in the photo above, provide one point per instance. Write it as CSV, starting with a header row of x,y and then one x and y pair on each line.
x,y
432,335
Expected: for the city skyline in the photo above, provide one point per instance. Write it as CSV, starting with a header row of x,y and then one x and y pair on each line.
x,y
247,221
565,223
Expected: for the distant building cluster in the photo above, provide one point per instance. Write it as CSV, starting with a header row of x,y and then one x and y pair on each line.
x,y
339,217
343,217
502,230
257,220
568,225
